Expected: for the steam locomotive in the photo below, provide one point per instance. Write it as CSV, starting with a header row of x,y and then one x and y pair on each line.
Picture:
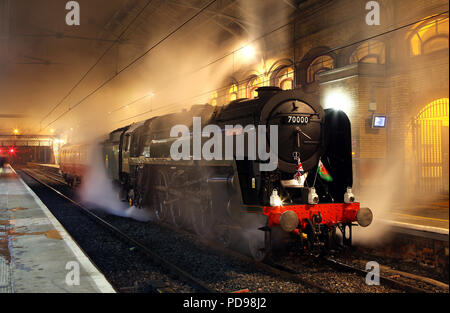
x,y
230,197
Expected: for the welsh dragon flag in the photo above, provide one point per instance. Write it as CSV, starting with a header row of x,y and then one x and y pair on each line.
x,y
323,172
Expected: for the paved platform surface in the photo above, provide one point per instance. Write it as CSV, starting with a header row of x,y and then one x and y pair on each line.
x,y
425,218
36,252
433,213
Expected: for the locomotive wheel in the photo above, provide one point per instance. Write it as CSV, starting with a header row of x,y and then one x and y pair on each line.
x,y
160,196
202,216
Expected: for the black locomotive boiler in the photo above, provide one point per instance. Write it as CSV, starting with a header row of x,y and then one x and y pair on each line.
x,y
224,198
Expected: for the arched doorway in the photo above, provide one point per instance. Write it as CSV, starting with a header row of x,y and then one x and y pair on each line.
x,y
431,147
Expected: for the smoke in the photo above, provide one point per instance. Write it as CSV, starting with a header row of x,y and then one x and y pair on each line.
x,y
97,189
180,72
385,194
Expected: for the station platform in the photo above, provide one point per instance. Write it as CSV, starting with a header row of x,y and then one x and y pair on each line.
x,y
37,255
423,218
432,213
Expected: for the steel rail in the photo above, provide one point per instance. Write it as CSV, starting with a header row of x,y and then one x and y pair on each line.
x,y
388,281
272,268
294,275
55,177
198,284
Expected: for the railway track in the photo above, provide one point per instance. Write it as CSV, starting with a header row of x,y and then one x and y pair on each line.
x,y
294,275
193,281
280,270
273,268
384,280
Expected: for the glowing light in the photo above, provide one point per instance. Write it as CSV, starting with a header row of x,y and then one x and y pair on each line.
x,y
59,141
338,100
278,202
247,52
16,131
275,199
52,130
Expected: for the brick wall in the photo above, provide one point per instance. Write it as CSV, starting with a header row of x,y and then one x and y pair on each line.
x,y
401,87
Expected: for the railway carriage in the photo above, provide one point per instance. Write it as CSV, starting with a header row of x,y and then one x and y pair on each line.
x,y
74,163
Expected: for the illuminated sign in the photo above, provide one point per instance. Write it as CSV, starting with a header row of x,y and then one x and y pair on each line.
x,y
379,121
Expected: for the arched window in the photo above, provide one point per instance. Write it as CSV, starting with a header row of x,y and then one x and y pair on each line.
x,y
285,78
320,64
253,84
233,93
214,97
431,141
369,52
429,37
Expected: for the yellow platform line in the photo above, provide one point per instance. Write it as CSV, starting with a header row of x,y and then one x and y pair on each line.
x,y
423,217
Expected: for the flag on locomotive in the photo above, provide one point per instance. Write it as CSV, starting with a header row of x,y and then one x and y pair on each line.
x,y
300,175
323,172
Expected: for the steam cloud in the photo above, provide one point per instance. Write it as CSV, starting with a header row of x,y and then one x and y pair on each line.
x,y
386,193
98,190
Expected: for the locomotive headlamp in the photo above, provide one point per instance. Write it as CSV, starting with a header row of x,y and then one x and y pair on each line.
x,y
313,198
275,199
349,197
289,221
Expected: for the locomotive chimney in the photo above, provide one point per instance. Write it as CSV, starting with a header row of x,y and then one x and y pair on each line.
x,y
264,92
